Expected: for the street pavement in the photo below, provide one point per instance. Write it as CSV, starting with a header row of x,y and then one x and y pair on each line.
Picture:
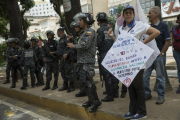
x,y
11,109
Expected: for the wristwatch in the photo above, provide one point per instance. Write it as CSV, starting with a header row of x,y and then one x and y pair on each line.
x,y
162,53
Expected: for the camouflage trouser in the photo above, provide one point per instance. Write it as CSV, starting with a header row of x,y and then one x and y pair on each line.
x,y
66,69
25,74
8,70
111,82
86,82
38,73
52,67
14,73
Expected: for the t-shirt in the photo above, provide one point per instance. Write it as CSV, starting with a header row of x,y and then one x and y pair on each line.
x,y
138,29
164,35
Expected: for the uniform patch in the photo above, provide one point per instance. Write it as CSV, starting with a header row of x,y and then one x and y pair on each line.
x,y
29,54
89,33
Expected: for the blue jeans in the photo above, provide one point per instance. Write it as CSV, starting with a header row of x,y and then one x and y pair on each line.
x,y
159,66
176,55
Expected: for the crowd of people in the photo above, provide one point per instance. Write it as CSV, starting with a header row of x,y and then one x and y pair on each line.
x,y
60,56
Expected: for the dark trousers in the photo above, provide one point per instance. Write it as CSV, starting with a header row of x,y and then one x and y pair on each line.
x,y
14,73
137,95
25,74
8,69
52,67
38,74
124,89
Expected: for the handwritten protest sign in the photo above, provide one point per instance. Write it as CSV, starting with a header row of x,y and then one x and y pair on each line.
x,y
126,58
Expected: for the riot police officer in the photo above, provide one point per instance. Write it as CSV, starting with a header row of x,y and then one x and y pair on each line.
x,y
14,60
104,43
39,63
8,67
86,51
52,60
28,59
78,31
66,64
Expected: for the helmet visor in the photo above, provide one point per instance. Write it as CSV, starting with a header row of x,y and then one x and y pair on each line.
x,y
78,16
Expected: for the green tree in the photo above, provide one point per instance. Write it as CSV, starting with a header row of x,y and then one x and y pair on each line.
x,y
118,12
4,20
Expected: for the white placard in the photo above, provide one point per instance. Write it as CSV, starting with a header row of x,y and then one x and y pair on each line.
x,y
126,58
170,8
67,5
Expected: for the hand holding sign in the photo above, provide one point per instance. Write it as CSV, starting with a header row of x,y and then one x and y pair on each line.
x,y
133,55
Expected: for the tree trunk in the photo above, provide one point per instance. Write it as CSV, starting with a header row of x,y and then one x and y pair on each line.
x,y
15,19
24,26
75,8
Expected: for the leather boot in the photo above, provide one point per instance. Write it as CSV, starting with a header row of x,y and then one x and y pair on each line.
x,y
23,88
71,87
87,104
7,81
47,86
13,86
94,106
55,85
81,94
96,103
64,87
109,96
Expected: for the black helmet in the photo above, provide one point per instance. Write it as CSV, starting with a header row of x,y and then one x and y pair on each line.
x,y
87,18
74,24
49,32
34,38
102,16
27,44
15,40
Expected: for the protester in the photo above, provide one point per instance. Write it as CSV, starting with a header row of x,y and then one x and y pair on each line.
x,y
137,107
176,49
163,41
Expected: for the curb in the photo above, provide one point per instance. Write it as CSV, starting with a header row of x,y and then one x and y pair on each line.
x,y
60,107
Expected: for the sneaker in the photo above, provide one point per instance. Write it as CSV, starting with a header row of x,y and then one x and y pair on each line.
x,y
160,100
128,115
138,117
148,97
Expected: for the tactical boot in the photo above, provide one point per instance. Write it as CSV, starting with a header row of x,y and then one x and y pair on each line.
x,y
87,104
13,86
33,86
64,87
7,81
71,88
104,92
47,86
107,99
54,86
94,106
23,88
81,94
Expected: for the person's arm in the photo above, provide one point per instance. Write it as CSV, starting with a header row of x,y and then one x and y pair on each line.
x,y
111,34
153,33
167,37
85,41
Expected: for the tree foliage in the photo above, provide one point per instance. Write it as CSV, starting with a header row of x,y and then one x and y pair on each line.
x,y
118,12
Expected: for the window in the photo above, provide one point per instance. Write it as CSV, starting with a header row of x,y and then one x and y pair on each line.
x,y
39,5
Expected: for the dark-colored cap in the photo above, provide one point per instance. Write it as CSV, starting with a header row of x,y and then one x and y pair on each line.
x,y
128,7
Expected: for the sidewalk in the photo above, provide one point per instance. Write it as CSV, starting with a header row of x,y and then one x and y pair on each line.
x,y
67,104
